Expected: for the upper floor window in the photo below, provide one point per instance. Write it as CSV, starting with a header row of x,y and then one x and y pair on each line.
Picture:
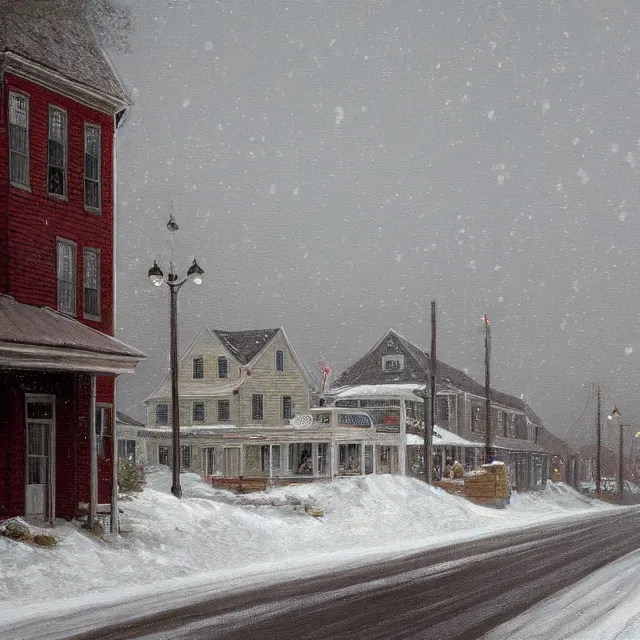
x,y
57,152
198,368
257,406
19,140
92,283
224,410
92,177
279,360
198,412
393,363
223,367
442,407
162,414
287,408
66,276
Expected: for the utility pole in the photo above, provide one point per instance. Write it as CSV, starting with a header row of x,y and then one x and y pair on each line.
x,y
432,421
487,390
598,442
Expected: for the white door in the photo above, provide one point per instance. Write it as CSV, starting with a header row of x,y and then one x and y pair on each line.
x,y
39,494
232,460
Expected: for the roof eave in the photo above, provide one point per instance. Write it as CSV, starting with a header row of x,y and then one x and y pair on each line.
x,y
18,65
30,357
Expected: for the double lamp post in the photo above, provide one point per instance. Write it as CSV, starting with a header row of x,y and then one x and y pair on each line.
x,y
194,273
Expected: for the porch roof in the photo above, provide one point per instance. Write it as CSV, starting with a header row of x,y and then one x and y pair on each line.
x,y
442,438
40,338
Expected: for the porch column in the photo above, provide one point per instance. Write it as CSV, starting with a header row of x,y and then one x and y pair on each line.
x,y
114,485
93,457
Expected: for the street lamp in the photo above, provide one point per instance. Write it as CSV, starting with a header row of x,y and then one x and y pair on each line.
x,y
616,419
194,273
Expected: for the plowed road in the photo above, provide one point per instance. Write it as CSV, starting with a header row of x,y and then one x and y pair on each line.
x,y
460,591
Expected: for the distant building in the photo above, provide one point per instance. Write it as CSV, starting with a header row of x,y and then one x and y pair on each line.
x,y
382,382
61,106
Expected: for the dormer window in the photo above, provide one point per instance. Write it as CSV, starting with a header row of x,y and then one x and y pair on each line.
x,y
198,368
279,360
392,364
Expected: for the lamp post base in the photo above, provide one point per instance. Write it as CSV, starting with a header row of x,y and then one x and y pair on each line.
x,y
177,491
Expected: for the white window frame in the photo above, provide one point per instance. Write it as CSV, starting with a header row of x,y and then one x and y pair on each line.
x,y
197,366
97,254
14,153
64,141
97,180
72,306
193,411
387,363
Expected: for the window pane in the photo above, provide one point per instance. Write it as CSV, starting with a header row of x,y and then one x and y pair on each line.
x,y
279,361
223,410
57,178
92,157
66,271
91,282
198,368
222,367
287,408
19,139
185,457
198,412
162,414
257,406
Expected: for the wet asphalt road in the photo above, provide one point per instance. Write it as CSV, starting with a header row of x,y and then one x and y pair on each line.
x,y
461,591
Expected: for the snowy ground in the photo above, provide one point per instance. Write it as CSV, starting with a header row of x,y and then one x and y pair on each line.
x,y
211,540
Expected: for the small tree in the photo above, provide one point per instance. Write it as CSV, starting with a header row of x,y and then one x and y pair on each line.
x,y
130,476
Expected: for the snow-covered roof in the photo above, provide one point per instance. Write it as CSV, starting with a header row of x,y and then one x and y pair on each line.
x,y
404,390
442,438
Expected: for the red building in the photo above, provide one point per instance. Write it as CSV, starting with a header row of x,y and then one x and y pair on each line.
x,y
61,104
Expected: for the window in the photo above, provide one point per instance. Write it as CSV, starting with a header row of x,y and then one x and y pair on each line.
x,y
392,364
127,450
162,414
92,283
19,140
257,406
103,428
197,412
442,409
323,457
223,367
476,419
92,155
66,276
185,457
198,368
300,459
57,152
279,360
224,412
163,455
270,458
505,424
287,408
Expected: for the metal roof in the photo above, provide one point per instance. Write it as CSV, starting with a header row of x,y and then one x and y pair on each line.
x,y
39,337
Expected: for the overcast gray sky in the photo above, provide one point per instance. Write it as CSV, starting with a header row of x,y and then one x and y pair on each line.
x,y
334,166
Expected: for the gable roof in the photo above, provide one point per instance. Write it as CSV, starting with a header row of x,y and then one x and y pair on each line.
x,y
57,35
417,368
245,345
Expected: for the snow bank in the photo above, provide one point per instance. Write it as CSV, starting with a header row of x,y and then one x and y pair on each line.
x,y
211,531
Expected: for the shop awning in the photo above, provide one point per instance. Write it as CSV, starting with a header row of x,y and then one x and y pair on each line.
x,y
442,438
40,338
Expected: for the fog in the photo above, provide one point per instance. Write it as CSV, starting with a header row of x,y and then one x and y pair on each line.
x,y
335,166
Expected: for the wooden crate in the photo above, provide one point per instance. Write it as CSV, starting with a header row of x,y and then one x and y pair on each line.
x,y
240,484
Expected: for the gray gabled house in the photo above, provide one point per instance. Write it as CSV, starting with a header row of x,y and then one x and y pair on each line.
x,y
393,361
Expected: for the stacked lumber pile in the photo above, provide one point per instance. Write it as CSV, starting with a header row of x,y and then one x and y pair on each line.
x,y
488,485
